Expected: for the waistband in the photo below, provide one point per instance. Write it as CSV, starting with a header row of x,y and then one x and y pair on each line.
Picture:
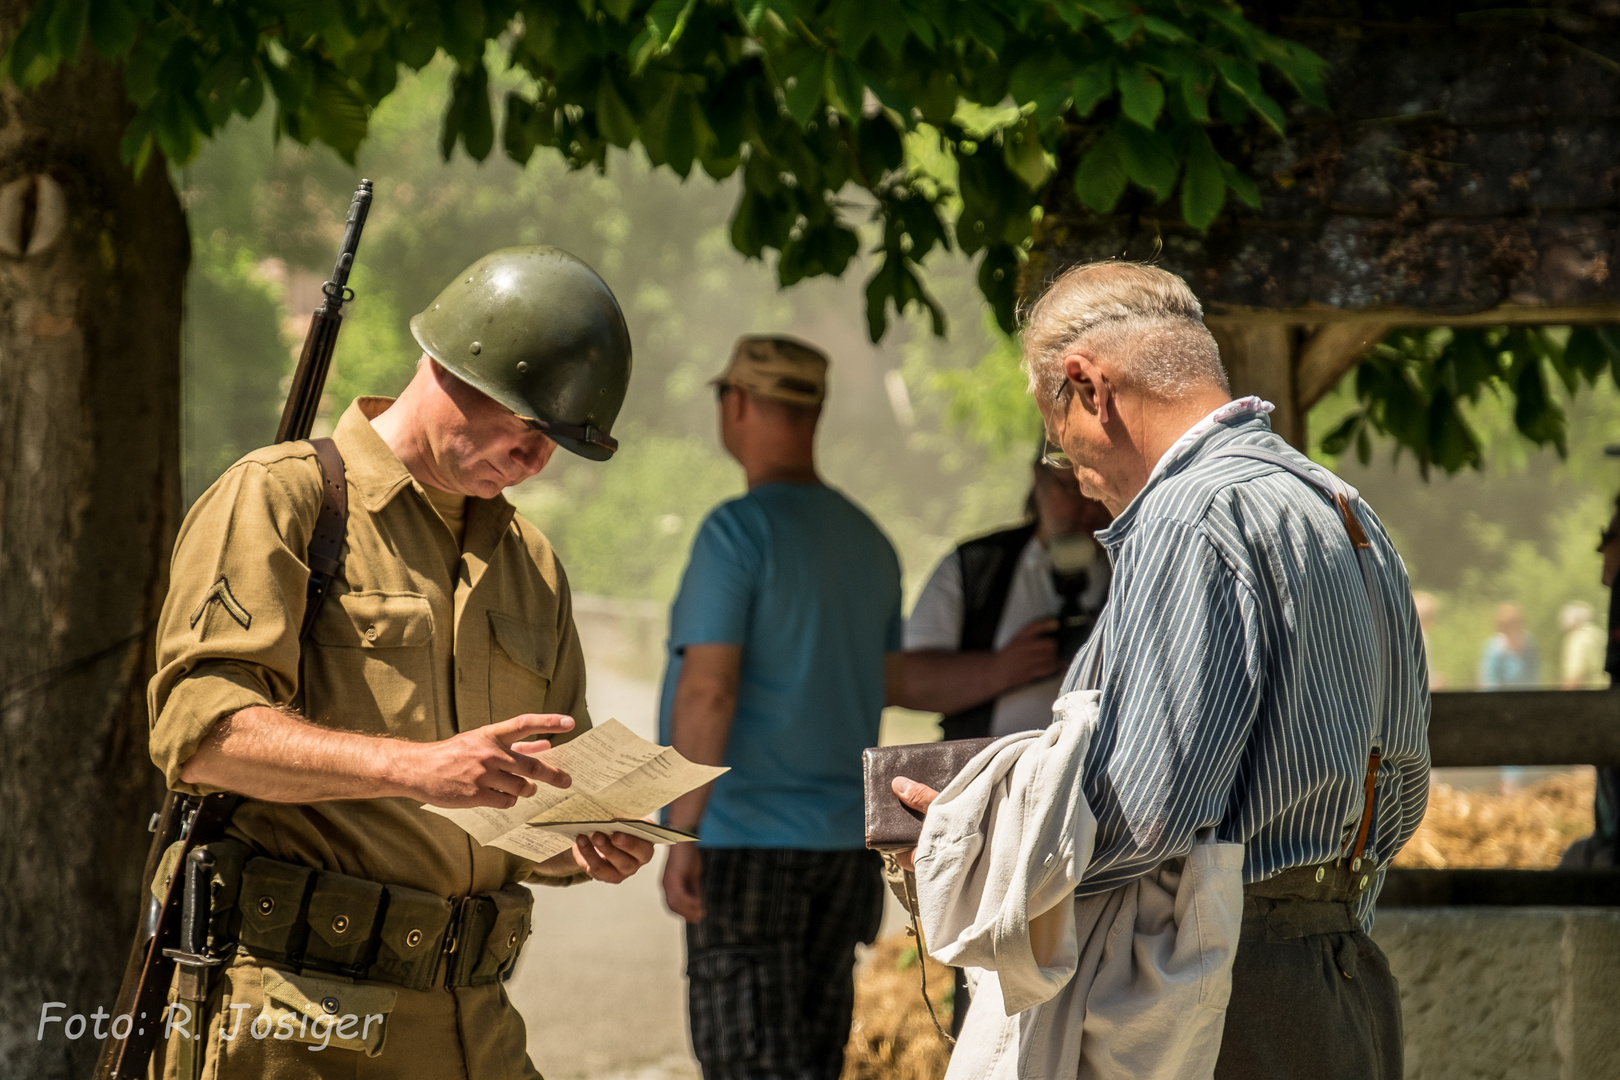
x,y
323,922
1305,900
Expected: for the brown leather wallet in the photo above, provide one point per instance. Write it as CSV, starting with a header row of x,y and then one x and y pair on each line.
x,y
891,825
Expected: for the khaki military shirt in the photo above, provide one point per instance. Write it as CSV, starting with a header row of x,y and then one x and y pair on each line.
x,y
421,639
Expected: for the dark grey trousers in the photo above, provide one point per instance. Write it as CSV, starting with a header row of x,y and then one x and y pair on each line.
x,y
1312,996
769,985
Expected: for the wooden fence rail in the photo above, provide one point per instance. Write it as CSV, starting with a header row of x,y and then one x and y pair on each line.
x,y
1516,727
1525,727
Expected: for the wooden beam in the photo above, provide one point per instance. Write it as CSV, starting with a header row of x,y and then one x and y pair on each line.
x,y
1510,314
1328,354
1516,888
1525,727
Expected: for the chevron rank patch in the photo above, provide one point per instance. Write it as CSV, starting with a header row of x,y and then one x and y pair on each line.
x,y
221,592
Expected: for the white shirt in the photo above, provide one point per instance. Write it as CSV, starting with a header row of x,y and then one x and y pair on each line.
x,y
936,623
1132,982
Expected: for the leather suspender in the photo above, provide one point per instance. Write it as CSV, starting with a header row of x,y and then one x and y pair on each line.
x,y
1342,496
326,543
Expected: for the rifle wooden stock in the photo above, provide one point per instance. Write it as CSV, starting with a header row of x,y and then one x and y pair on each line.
x,y
186,819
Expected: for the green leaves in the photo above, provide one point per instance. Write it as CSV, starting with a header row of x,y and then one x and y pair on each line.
x,y
468,117
1415,385
804,98
1203,190
1099,179
804,75
1141,94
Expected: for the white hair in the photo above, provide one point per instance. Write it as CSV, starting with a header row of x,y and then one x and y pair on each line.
x,y
1573,614
1143,319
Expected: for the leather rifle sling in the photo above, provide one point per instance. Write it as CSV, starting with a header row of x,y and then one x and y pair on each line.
x,y
326,543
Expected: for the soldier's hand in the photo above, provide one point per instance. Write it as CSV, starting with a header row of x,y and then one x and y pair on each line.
x,y
489,766
1032,654
611,858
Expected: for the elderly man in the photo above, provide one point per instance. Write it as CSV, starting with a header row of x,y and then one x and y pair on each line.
x,y
446,646
1260,667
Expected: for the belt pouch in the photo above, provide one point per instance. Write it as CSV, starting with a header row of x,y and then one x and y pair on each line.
x,y
273,904
224,889
342,918
508,929
413,927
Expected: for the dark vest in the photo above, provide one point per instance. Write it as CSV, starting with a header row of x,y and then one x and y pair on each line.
x,y
988,564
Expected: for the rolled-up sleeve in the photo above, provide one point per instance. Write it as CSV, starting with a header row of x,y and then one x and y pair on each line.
x,y
228,634
1183,664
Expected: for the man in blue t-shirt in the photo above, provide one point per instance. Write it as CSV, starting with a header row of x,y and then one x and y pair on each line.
x,y
776,647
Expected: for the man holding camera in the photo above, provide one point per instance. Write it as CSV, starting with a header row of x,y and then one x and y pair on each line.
x,y
1002,616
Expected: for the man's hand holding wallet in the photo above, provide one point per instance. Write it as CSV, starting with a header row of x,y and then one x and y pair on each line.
x,y
902,782
919,796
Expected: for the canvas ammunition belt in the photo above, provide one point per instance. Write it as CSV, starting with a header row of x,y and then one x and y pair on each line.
x,y
319,921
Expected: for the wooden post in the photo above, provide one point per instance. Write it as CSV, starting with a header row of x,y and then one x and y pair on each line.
x,y
1261,359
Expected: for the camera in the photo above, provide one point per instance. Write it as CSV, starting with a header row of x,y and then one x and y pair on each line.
x,y
1072,558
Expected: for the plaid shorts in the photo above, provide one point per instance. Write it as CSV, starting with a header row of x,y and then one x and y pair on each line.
x,y
770,967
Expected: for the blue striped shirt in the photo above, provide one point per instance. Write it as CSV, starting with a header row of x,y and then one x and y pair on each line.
x,y
1242,674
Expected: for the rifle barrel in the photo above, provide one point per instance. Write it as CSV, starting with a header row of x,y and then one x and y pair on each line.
x,y
309,378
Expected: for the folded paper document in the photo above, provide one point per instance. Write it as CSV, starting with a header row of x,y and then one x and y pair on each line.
x,y
618,778
657,834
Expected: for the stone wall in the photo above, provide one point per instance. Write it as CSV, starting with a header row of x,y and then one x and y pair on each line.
x,y
1501,993
1471,160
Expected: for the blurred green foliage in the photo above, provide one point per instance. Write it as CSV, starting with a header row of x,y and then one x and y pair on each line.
x,y
234,365
636,520
805,100
1415,387
1519,528
266,220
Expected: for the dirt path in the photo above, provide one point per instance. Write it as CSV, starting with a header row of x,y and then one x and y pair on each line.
x,y
600,984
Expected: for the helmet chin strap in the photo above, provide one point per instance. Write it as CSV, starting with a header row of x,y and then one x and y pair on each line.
x,y
581,433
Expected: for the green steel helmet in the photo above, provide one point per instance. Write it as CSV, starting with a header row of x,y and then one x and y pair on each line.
x,y
537,330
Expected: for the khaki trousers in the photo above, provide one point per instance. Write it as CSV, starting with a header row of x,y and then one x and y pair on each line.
x,y
470,1033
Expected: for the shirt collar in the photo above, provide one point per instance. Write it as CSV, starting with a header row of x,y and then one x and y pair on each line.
x,y
1230,414
377,475
372,469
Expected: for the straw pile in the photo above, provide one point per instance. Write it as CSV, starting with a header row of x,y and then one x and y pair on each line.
x,y
893,1039
1528,829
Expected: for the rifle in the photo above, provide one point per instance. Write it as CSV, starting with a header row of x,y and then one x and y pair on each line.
x,y
168,932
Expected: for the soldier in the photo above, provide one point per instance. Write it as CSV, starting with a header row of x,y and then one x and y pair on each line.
x,y
446,645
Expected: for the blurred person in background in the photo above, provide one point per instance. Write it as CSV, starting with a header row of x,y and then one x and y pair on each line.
x,y
1580,661
1001,617
1509,660
1602,848
999,621
777,639
1428,609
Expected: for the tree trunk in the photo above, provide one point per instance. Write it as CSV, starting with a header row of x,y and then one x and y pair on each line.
x,y
92,270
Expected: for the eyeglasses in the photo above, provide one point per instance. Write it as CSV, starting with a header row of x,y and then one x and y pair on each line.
x,y
1052,452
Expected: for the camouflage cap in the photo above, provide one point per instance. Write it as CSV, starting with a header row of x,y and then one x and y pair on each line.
x,y
776,366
